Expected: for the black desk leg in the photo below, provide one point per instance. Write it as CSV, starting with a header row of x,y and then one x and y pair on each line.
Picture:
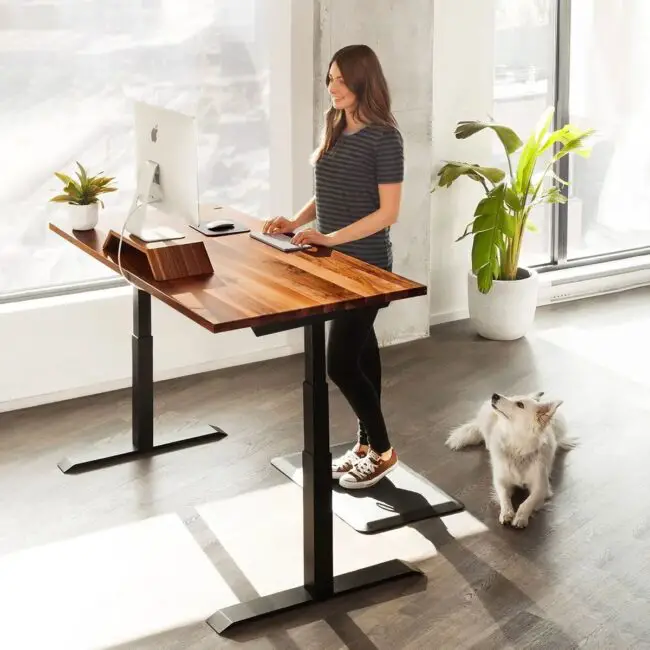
x,y
319,581
142,442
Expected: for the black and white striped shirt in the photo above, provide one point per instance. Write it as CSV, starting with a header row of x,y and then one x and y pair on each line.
x,y
346,187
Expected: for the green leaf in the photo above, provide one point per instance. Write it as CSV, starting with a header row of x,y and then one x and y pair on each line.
x,y
508,223
81,174
60,198
451,171
508,137
531,153
553,195
576,145
64,178
513,200
486,246
73,189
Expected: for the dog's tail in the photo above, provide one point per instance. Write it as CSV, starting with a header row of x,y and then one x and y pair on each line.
x,y
564,441
567,444
464,436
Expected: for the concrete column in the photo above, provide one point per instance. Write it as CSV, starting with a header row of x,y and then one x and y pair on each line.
x,y
401,33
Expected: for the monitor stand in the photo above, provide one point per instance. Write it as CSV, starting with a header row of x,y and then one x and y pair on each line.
x,y
148,192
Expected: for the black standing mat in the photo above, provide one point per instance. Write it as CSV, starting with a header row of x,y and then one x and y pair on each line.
x,y
400,498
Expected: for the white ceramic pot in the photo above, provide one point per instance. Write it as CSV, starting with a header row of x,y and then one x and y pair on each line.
x,y
83,217
507,311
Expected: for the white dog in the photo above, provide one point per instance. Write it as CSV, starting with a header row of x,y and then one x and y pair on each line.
x,y
522,435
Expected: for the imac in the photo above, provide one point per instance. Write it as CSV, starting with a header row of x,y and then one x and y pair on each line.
x,y
167,172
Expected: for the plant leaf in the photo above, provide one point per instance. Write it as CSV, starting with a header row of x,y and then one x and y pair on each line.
x,y
531,153
453,170
61,198
553,195
513,199
486,247
64,178
576,145
510,140
507,225
83,177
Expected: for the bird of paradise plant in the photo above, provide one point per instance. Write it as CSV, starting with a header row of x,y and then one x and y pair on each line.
x,y
502,215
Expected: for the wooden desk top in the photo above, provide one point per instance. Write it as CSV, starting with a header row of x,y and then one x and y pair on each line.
x,y
253,284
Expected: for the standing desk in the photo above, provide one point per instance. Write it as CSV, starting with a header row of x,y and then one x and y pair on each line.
x,y
250,285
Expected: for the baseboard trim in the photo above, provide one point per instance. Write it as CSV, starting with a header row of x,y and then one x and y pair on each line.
x,y
440,318
587,282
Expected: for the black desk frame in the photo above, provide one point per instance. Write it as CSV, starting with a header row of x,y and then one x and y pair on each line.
x,y
142,396
320,584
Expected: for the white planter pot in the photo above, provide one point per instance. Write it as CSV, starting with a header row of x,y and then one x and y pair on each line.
x,y
507,311
83,217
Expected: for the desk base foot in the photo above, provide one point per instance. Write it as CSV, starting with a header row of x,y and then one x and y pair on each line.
x,y
230,617
91,462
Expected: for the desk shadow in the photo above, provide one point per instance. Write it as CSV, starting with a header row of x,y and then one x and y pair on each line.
x,y
408,506
510,608
274,628
508,605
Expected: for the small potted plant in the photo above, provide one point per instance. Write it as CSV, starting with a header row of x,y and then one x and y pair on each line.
x,y
502,295
82,196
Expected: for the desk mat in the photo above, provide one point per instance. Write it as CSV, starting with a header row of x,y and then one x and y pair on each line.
x,y
400,498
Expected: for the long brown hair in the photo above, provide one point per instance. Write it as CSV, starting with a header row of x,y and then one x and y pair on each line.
x,y
363,75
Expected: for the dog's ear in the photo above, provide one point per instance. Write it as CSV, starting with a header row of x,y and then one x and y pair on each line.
x,y
537,396
546,411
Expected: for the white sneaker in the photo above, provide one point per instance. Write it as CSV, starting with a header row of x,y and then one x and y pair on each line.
x,y
343,464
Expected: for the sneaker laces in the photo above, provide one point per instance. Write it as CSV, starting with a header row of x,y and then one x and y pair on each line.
x,y
367,465
350,456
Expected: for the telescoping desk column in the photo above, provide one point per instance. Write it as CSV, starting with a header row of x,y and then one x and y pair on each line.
x,y
258,287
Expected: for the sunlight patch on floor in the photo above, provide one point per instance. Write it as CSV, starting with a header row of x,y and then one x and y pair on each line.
x,y
610,346
107,588
266,543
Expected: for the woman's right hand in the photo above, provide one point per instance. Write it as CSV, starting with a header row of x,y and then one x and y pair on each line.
x,y
278,225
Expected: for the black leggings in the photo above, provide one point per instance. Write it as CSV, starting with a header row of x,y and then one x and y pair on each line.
x,y
354,365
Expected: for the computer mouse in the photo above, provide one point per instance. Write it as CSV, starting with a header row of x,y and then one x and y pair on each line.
x,y
219,225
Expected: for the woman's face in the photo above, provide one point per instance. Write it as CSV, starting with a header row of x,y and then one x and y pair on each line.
x,y
342,97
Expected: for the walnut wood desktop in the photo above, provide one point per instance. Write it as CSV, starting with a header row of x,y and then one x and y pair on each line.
x,y
255,286
252,283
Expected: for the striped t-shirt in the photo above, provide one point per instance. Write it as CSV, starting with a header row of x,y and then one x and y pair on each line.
x,y
346,180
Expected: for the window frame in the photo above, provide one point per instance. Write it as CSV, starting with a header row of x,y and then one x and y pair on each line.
x,y
291,30
559,215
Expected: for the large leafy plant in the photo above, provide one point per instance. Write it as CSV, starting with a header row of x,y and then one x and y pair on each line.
x,y
502,216
85,190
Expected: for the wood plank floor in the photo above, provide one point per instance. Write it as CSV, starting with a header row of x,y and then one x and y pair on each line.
x,y
578,577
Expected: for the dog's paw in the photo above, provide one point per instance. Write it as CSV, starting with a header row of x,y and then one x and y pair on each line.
x,y
520,521
454,441
506,516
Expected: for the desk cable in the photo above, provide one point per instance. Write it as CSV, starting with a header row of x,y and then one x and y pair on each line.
x,y
137,204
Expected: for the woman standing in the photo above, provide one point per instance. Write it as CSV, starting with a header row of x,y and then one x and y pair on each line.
x,y
359,169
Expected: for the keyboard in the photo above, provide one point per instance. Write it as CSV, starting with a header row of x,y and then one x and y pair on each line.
x,y
280,241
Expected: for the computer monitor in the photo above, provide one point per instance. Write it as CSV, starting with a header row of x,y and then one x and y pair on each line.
x,y
167,172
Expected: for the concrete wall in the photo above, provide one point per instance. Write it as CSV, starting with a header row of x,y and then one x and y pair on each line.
x,y
463,72
401,33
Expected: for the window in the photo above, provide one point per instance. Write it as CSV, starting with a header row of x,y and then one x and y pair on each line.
x,y
68,70
524,86
609,205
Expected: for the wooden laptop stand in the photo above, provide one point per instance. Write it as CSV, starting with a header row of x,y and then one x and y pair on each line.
x,y
166,260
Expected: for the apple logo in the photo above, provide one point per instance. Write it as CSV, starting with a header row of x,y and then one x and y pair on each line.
x,y
154,134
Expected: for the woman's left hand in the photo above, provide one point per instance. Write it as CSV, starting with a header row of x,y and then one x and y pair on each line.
x,y
312,237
